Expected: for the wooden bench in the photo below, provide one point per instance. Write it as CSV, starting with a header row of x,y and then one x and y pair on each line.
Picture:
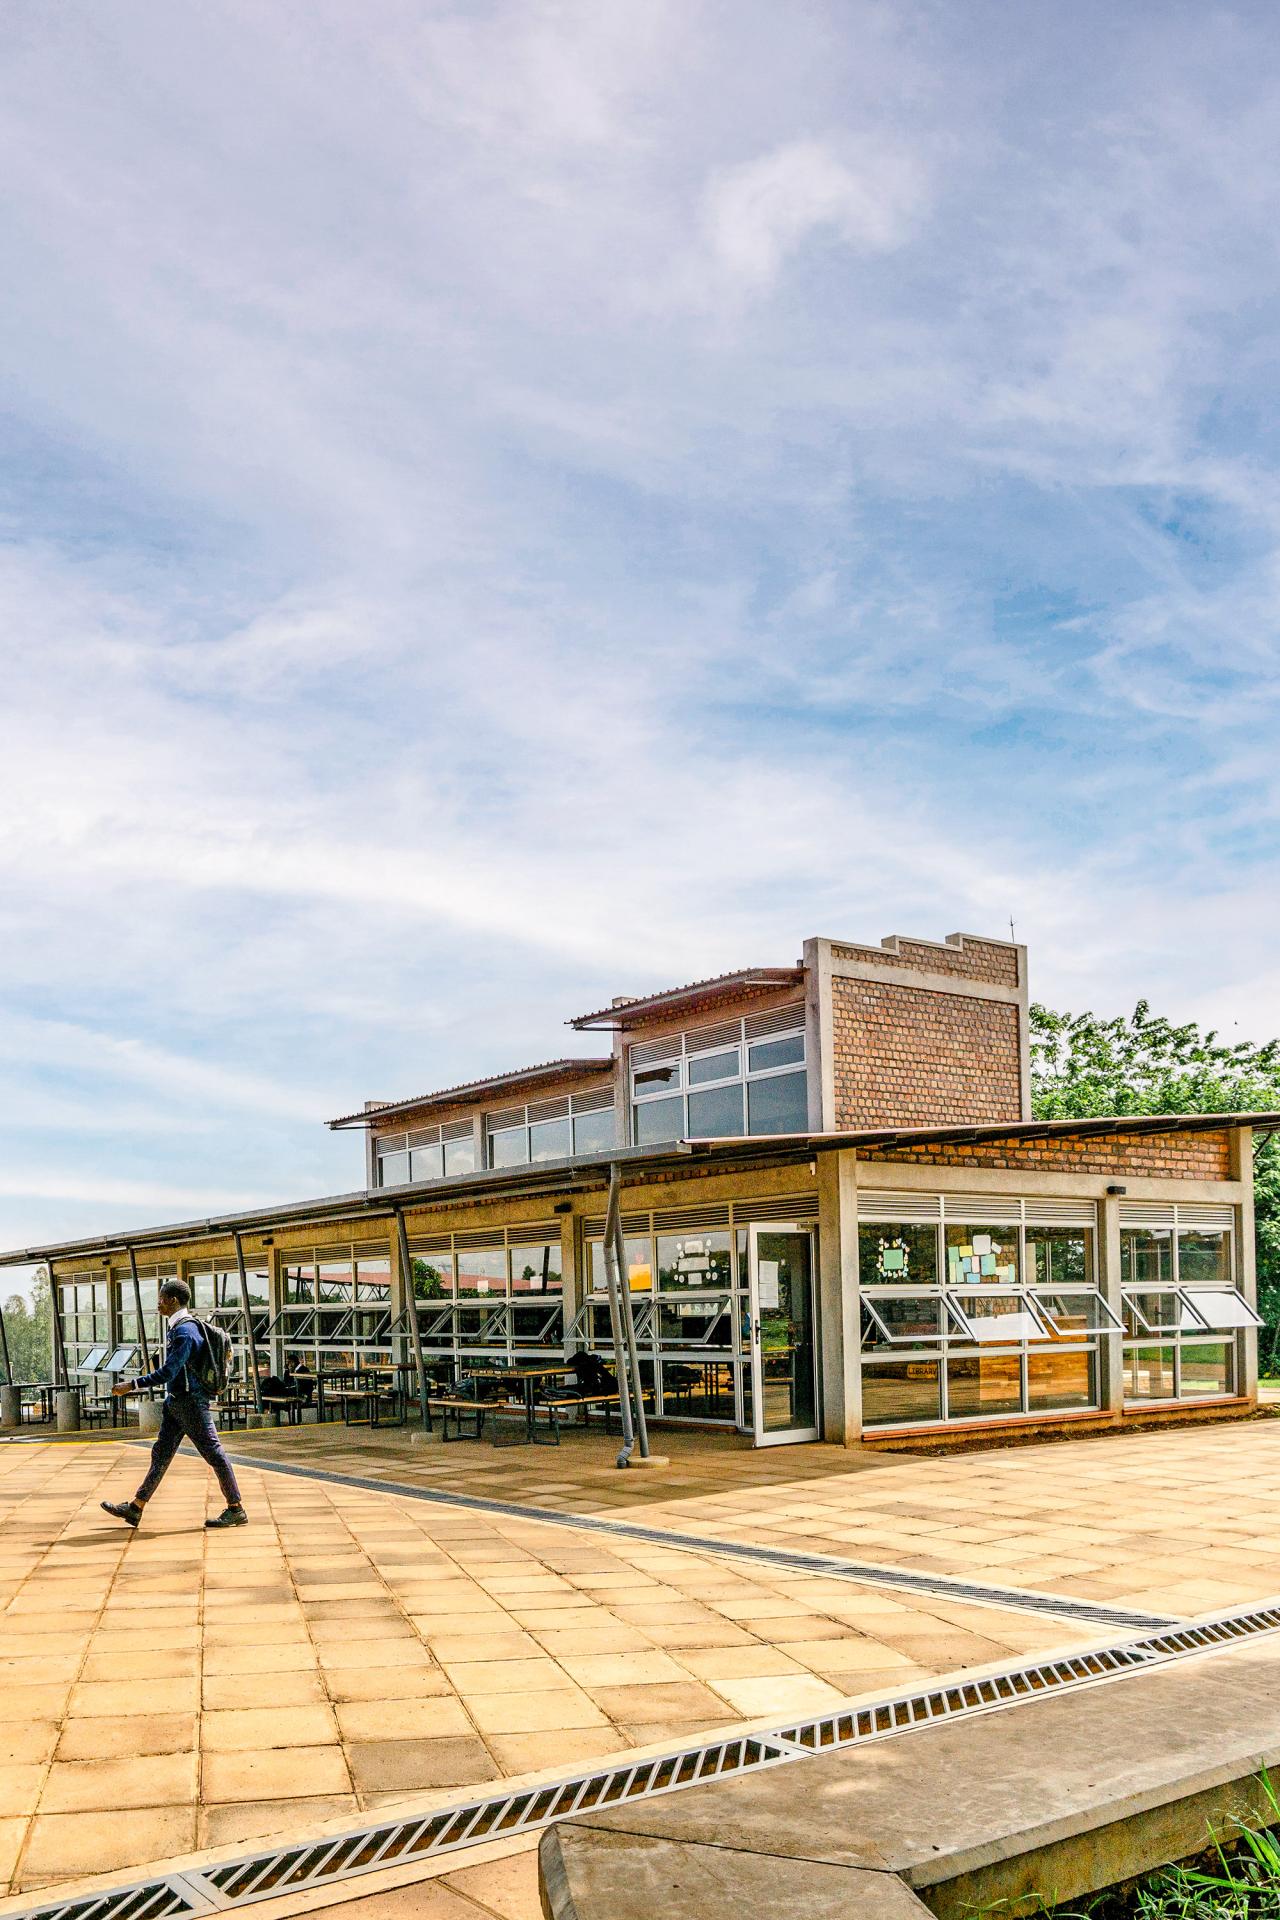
x,y
463,1407
555,1404
286,1403
372,1399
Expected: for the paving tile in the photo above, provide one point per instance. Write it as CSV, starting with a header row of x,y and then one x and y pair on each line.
x,y
140,1780
518,1753
96,1698
411,1766
222,1826
385,1683
432,1719
621,1669
67,1846
529,1713
301,1689
507,1676
276,1773
20,1785
508,1888
140,1733
12,1834
247,1729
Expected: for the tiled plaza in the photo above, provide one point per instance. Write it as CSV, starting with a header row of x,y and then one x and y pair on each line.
x,y
169,1691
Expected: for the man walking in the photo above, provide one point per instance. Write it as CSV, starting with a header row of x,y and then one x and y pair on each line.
x,y
187,1414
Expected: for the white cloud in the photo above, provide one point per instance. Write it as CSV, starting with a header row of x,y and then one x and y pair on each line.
x,y
762,211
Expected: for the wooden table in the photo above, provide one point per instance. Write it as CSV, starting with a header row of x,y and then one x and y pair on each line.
x,y
552,1371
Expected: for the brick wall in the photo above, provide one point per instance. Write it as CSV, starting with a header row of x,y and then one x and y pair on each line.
x,y
1171,1156
909,1056
963,956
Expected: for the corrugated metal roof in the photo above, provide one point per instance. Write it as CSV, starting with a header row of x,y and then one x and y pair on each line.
x,y
548,1069
589,1171
624,1012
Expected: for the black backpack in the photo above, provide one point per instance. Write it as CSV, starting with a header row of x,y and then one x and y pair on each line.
x,y
212,1362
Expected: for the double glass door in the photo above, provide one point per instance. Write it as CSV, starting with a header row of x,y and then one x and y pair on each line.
x,y
780,1382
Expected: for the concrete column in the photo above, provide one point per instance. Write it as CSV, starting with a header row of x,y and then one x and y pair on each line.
x,y
10,1407
150,1414
1246,1260
1111,1348
67,1404
838,1311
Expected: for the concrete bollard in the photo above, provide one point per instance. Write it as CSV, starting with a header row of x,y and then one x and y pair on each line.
x,y
68,1410
10,1407
150,1414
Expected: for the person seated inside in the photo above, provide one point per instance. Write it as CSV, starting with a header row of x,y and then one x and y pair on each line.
x,y
590,1374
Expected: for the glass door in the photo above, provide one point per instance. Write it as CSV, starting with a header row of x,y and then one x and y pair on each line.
x,y
783,1346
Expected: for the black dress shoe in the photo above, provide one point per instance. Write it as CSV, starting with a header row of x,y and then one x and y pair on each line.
x,y
127,1510
230,1517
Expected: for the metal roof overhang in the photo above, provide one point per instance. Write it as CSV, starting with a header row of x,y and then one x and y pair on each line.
x,y
720,986
552,1071
587,1173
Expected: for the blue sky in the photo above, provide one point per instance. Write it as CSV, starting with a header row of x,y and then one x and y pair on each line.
x,y
502,505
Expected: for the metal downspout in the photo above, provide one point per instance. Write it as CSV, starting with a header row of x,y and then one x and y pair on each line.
x,y
629,1329
406,1268
63,1378
248,1323
612,1223
137,1307
4,1351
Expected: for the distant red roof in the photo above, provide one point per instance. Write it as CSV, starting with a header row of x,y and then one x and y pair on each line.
x,y
626,1013
565,1069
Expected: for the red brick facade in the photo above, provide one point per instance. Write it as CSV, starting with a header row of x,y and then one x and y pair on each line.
x,y
913,1057
995,962
1168,1156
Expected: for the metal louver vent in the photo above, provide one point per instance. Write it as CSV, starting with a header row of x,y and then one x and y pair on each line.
x,y
912,1208
1060,1213
430,1243
708,1039
425,1137
783,1206
549,1109
646,1052
457,1130
529,1231
633,1223
481,1237
977,1208
762,1026
597,1102
1146,1213
689,1219
505,1117
1193,1216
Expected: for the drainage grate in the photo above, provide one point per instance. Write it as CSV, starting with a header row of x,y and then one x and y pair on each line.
x,y
318,1863
935,1586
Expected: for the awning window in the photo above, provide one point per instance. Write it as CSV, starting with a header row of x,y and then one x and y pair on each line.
x,y
1075,1313
1221,1308
996,1316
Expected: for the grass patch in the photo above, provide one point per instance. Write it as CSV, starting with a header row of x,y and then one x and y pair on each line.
x,y
1237,1879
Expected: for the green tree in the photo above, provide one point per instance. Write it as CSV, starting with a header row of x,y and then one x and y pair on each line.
x,y
428,1281
1082,1066
29,1326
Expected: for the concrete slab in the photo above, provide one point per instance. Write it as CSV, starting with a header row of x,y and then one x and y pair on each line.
x,y
1041,1802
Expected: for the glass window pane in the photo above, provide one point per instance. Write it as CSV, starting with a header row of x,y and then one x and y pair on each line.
x,y
393,1169
1153,1312
1074,1316
697,1390
460,1155
1059,1256
716,1113
425,1163
704,1324
298,1281
786,1051
779,1104
1204,1259
639,1265
895,1255
986,1255
986,1383
909,1319
594,1132
1206,1368
551,1140
482,1270
1222,1307
1064,1379
334,1280
432,1275
509,1148
1148,1373
656,1120
702,1067
536,1269
998,1319
900,1391
694,1261
1146,1256
660,1079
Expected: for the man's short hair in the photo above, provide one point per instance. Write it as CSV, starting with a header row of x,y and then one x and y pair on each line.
x,y
176,1290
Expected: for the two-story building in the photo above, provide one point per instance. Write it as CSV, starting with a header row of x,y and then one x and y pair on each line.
x,y
840,1219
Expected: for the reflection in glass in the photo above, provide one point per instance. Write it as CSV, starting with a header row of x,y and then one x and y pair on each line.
x,y
1204,1259
898,1391
702,1067
551,1139
1146,1256
1062,1379
692,1261
984,1384
1149,1373
657,1120
536,1269
1059,1256
460,1155
716,1113
481,1270
594,1132
639,1266
779,1104
1205,1368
